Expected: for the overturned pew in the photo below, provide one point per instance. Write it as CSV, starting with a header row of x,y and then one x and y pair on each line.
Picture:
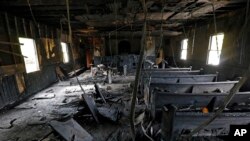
x,y
184,78
180,100
194,87
183,122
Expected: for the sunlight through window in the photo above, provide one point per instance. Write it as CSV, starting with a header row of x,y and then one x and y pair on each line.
x,y
214,50
65,52
28,50
184,48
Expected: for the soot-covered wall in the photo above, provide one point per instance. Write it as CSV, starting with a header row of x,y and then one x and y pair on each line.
x,y
235,56
18,84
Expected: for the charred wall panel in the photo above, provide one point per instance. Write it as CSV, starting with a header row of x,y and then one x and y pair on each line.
x,y
35,81
234,59
8,91
40,80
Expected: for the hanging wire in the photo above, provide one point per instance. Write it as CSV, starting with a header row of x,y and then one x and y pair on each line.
x,y
243,33
215,30
138,74
227,99
194,36
32,14
71,46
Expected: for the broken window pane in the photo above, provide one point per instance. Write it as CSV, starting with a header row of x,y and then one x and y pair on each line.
x,y
28,50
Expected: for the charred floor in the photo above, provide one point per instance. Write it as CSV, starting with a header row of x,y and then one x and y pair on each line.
x,y
124,70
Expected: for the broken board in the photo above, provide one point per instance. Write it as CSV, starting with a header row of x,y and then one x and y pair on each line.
x,y
71,130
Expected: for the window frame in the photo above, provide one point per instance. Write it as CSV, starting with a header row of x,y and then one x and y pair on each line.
x,y
182,46
37,63
67,52
218,49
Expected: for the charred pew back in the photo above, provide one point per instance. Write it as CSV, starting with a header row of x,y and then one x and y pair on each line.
x,y
185,78
169,73
194,87
159,99
170,69
185,121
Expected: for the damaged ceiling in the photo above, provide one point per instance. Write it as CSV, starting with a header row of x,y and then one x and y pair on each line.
x,y
103,16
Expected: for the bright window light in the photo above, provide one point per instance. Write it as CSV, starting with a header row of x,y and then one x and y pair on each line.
x,y
184,48
28,49
214,49
65,52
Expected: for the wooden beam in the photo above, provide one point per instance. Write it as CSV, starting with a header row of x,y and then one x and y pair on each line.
x,y
9,36
24,27
10,43
11,69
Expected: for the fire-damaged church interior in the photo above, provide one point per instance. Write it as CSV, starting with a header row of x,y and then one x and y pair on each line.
x,y
124,70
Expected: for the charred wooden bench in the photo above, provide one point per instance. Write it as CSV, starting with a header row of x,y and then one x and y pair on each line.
x,y
147,75
170,69
159,99
176,123
169,73
184,78
194,87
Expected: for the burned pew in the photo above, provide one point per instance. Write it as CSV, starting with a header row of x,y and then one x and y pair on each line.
x,y
184,78
147,75
170,69
194,87
180,100
169,73
183,123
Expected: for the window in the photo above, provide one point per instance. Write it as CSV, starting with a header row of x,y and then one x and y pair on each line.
x,y
184,48
28,49
65,52
214,49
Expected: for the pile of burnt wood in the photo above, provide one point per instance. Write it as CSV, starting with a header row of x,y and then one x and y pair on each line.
x,y
181,99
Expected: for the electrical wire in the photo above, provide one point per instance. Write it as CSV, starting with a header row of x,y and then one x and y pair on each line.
x,y
243,32
161,36
215,30
32,14
71,46
226,100
138,74
194,36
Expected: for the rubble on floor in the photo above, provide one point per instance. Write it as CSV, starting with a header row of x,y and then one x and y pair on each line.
x,y
39,117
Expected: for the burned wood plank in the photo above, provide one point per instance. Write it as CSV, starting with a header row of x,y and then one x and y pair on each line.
x,y
45,96
195,87
71,130
159,99
92,106
98,92
109,113
168,122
